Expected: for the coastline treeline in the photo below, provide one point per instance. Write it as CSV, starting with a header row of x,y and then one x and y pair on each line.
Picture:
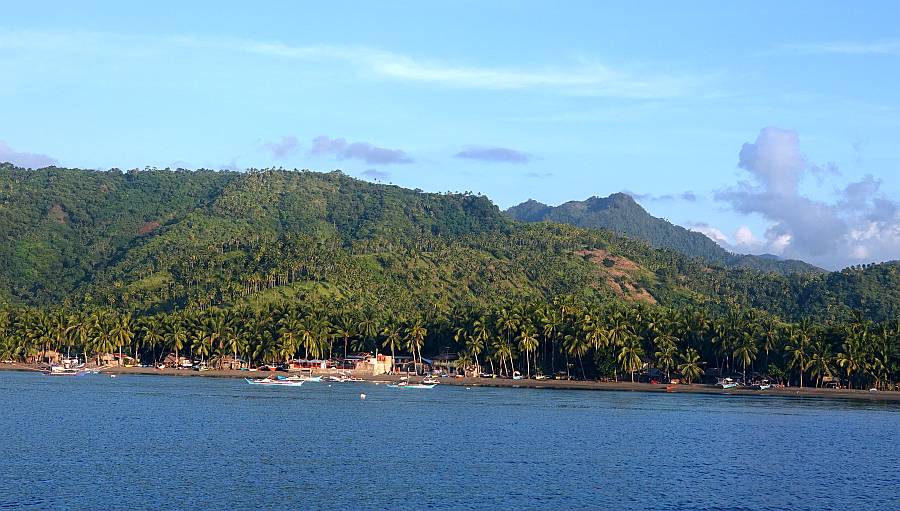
x,y
268,264
581,339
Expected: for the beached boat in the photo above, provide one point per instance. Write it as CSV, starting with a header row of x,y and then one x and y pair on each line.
x,y
726,383
63,371
763,385
274,381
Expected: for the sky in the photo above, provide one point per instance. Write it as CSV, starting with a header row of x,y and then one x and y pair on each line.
x,y
771,127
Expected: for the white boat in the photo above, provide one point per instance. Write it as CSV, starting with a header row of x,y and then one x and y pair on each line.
x,y
272,381
726,383
430,381
407,385
63,371
763,385
313,379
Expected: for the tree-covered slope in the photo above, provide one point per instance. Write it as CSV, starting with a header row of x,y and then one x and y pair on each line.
x,y
619,212
158,240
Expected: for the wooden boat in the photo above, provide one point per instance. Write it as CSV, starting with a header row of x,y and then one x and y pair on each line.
x,y
274,381
726,383
407,385
313,379
62,371
763,385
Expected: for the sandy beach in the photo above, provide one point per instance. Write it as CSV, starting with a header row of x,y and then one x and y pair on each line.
x,y
797,392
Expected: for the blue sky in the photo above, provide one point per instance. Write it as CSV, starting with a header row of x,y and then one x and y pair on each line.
x,y
553,101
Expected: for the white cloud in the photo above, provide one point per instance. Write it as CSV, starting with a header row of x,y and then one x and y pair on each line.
x,y
583,77
711,233
861,224
744,237
24,159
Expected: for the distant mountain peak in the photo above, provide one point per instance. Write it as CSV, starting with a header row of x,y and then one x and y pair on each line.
x,y
621,212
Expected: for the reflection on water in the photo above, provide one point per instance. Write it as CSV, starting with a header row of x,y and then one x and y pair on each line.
x,y
144,442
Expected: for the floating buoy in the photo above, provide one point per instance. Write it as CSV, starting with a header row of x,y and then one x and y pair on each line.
x,y
362,396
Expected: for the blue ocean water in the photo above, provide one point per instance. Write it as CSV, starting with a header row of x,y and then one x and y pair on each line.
x,y
153,442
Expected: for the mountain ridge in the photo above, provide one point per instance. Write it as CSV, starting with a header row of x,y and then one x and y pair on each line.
x,y
620,212
157,240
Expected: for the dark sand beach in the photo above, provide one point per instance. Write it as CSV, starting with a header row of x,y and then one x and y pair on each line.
x,y
805,392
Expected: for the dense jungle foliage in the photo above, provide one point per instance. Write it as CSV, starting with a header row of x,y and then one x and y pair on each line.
x,y
87,254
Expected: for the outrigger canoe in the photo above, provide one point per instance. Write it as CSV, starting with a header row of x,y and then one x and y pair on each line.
x,y
270,381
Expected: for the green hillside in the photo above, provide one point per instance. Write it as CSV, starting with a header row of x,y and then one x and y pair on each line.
x,y
269,265
159,240
619,212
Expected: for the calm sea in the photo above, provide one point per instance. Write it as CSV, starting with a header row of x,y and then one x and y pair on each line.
x,y
136,442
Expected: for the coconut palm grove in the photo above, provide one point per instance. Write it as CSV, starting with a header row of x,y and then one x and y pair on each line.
x,y
269,265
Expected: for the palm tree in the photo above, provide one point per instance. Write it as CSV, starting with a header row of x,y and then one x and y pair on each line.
x,y
853,357
392,340
368,327
476,342
415,338
690,365
665,353
121,333
345,328
177,336
746,350
820,360
801,341
527,343
290,329
576,346
551,321
630,355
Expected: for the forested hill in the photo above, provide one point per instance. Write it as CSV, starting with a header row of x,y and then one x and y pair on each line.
x,y
619,212
159,240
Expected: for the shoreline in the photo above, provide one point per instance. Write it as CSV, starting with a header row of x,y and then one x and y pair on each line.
x,y
796,392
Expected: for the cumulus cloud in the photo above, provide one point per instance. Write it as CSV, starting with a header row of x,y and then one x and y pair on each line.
x,y
232,165
710,232
744,237
24,159
342,150
375,174
282,148
493,154
861,225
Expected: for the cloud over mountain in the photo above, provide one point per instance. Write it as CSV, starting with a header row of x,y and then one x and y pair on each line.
x,y
282,148
375,174
860,225
24,159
